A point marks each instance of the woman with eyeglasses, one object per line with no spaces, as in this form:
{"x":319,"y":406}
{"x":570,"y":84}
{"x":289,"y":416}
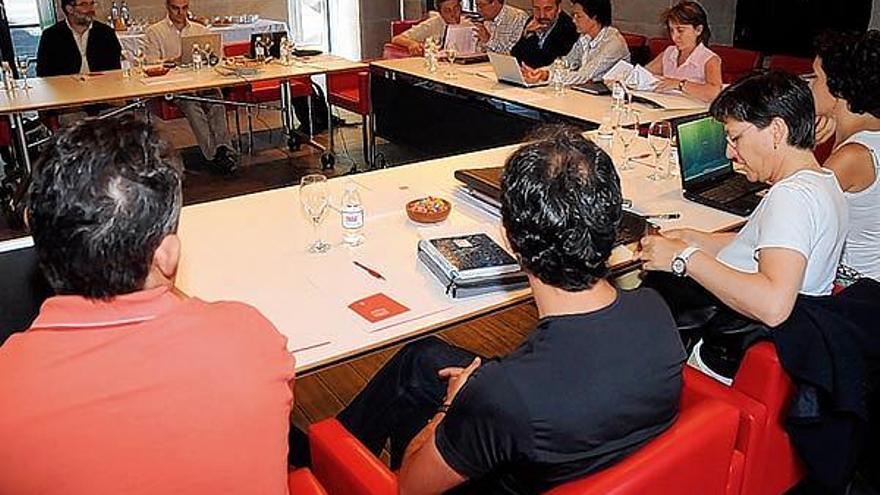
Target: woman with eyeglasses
{"x":791,"y":243}
{"x":847,"y":95}
{"x":688,"y":65}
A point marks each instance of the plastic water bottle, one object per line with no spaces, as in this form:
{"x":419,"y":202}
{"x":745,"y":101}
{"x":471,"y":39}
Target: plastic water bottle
{"x":284,"y":51}
{"x":196,"y":57}
{"x":211,"y":59}
{"x":259,"y":49}
{"x":114,"y":11}
{"x":352,"y":215}
{"x":618,"y":94}
{"x":125,"y":65}
{"x":125,"y":13}
{"x":8,"y":79}
{"x":557,"y":76}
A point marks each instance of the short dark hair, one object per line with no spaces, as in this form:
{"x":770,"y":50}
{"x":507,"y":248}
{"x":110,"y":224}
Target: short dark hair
{"x":690,"y":13}
{"x":597,"y":9}
{"x":102,"y":198}
{"x":561,"y":206}
{"x":762,"y":96}
{"x":852,"y":63}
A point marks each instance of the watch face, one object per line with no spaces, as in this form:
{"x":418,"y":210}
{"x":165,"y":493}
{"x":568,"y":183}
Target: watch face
{"x":678,"y":266}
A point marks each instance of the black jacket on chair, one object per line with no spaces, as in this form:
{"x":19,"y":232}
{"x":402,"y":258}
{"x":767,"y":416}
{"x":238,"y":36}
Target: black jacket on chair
{"x":558,"y":43}
{"x":58,"y":54}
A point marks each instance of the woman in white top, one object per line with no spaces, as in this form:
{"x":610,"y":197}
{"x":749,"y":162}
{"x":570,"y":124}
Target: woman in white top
{"x":598,"y":48}
{"x":847,"y":94}
{"x":688,"y":65}
{"x":792,"y":242}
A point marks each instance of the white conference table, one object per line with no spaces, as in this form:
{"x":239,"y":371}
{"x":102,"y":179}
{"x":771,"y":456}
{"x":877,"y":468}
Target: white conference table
{"x":77,"y":90}
{"x":481,"y":79}
{"x":253,"y":248}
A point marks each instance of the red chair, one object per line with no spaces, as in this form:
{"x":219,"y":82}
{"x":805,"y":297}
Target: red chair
{"x":303,"y":482}
{"x":736,"y":62}
{"x":764,"y":462}
{"x":657,"y":45}
{"x":795,"y":65}
{"x":390,"y":50}
{"x":638,"y":47}
{"x":351,"y":90}
{"x":692,"y":457}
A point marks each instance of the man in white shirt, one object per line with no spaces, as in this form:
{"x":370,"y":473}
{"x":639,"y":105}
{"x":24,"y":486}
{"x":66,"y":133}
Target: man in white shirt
{"x":434,"y":26}
{"x":208,"y":121}
{"x":502,"y":25}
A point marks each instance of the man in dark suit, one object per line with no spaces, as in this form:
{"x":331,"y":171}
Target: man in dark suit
{"x":549,"y":34}
{"x":79,"y":44}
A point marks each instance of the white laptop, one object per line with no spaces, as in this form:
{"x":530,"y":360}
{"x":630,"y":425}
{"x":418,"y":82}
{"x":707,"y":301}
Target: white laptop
{"x":187,"y":42}
{"x":507,"y":70}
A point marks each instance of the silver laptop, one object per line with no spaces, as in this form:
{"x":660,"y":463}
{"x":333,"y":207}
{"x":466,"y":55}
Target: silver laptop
{"x":187,"y":42}
{"x":507,"y":70}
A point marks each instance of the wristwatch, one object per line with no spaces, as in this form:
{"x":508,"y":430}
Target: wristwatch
{"x":679,"y":262}
{"x":681,"y":85}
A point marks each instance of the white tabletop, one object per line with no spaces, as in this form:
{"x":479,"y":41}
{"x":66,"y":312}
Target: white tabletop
{"x":480,"y":78}
{"x":253,"y":248}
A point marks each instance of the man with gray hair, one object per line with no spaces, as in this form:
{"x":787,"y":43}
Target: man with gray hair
{"x":123,"y":384}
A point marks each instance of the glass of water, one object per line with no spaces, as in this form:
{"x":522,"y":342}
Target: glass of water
{"x":451,"y":53}
{"x":22,"y":62}
{"x":628,"y":130}
{"x":315,"y":200}
{"x":659,"y":135}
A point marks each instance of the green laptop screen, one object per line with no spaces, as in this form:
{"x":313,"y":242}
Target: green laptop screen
{"x":702,"y":148}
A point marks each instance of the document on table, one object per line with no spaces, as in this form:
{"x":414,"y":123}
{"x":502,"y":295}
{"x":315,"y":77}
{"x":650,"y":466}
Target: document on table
{"x":159,"y":80}
{"x":670,"y":101}
{"x":461,"y":37}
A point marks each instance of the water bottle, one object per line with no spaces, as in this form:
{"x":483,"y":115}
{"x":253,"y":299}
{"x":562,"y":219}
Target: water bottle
{"x":284,"y":51}
{"x":125,"y":13}
{"x":618,"y":94}
{"x":114,"y":11}
{"x":211,"y":59}
{"x":196,"y":57}
{"x":259,"y":49}
{"x":8,"y":79}
{"x":431,"y":54}
{"x":352,"y":215}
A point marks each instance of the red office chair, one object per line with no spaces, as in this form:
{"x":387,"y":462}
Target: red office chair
{"x":638,"y":47}
{"x":390,"y":50}
{"x":765,"y":462}
{"x":303,"y":482}
{"x":657,"y":45}
{"x":736,"y":62}
{"x":351,"y":90}
{"x":692,"y":457}
{"x":795,"y":65}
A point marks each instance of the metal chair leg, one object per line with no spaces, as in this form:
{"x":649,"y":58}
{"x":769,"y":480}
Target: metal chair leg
{"x":250,"y":124}
{"x":238,"y":130}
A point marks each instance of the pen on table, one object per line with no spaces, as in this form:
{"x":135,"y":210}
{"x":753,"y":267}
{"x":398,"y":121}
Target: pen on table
{"x":664,"y":216}
{"x":373,"y":273}
{"x":641,"y":157}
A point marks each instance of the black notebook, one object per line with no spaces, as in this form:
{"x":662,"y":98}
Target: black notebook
{"x":471,"y":264}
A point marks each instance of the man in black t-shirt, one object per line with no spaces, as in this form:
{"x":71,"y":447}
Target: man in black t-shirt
{"x":599,"y":377}
{"x":548,"y":35}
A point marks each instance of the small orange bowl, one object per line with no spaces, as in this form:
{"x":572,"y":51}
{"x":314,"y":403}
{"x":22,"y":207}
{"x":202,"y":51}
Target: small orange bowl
{"x":156,"y":70}
{"x":428,"y":210}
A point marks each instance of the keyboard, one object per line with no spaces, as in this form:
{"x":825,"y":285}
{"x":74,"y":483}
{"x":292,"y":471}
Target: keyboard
{"x":732,"y":188}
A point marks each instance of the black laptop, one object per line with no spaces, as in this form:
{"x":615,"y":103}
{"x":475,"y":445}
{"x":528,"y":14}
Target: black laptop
{"x":707,"y":175}
{"x":487,"y":182}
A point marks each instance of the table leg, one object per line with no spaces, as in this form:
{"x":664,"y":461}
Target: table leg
{"x":24,"y":158}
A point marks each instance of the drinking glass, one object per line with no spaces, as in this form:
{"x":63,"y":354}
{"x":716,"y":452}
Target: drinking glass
{"x":139,"y":61}
{"x":557,"y":75}
{"x":628,"y":130}
{"x":315,"y":200}
{"x":658,"y":137}
{"x":22,"y":62}
{"x":451,"y":53}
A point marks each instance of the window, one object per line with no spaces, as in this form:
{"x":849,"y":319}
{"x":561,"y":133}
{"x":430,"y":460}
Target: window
{"x":308,"y":20}
{"x":26,"y":21}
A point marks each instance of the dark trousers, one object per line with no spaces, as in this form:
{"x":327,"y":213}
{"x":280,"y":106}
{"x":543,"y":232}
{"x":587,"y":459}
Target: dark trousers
{"x":403,"y":396}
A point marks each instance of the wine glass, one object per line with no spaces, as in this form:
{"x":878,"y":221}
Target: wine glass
{"x":451,"y":53}
{"x":315,"y":200}
{"x":658,"y":137}
{"x":22,"y":62}
{"x":628,"y":130}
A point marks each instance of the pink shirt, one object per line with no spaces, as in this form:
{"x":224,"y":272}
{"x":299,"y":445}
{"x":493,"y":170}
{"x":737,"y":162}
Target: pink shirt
{"x":693,"y":69}
{"x":148,"y":393}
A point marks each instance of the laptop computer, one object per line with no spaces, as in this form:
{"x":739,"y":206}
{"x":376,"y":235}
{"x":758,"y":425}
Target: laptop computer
{"x":486,"y":182}
{"x":707,"y":175}
{"x":187,"y":42}
{"x":507,"y":70}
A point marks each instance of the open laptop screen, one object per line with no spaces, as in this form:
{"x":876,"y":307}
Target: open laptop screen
{"x":701,"y":148}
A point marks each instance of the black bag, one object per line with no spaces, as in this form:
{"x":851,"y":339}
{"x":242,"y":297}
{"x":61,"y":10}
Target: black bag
{"x":318,"y":121}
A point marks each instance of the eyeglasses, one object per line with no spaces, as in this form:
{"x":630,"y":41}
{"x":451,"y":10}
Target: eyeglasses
{"x":733,"y":141}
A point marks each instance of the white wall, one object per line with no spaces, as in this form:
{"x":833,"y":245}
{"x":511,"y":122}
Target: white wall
{"x":875,"y":15}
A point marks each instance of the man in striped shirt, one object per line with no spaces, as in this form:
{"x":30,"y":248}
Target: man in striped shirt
{"x":502,"y":25}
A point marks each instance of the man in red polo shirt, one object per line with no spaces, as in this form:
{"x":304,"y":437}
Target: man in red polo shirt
{"x":122,"y":385}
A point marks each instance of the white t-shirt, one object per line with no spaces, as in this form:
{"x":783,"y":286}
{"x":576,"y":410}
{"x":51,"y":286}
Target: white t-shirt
{"x":805,"y":212}
{"x":862,"y":250}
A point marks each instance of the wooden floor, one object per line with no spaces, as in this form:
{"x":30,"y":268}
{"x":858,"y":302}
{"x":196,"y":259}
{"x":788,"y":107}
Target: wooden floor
{"x":323,"y":394}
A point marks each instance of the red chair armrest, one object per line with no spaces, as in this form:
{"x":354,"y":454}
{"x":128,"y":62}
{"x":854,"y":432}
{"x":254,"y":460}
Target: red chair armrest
{"x":391,"y":51}
{"x":344,"y":465}
{"x":302,"y":482}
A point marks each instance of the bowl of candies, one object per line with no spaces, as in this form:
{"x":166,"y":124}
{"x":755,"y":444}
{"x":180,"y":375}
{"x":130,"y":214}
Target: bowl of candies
{"x":428,"y":210}
{"x":156,"y":70}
